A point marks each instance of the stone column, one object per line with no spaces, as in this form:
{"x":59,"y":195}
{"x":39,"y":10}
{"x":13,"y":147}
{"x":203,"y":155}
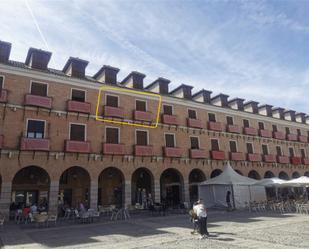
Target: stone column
{"x":186,"y":191}
{"x":53,"y":197}
{"x":157,"y":191}
{"x":6,"y":196}
{"x":94,"y":195}
{"x":127,"y":193}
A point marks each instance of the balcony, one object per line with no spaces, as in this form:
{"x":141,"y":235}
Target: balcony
{"x":39,"y":101}
{"x":172,"y":152}
{"x":142,"y":116}
{"x":115,"y":112}
{"x":194,"y":123}
{"x":283,"y":159}
{"x":254,"y":157}
{"x":306,"y":160}
{"x":214,"y":126}
{"x":279,"y":135}
{"x":237,"y":156}
{"x":295,"y":160}
{"x":113,"y":149}
{"x":77,"y":106}
{"x":1,"y":141}
{"x":77,"y":146}
{"x":292,"y":137}
{"x":3,"y":96}
{"x":34,"y":144}
{"x":217,"y":155}
{"x":233,"y":129}
{"x":269,"y":158}
{"x":197,"y":153}
{"x":170,"y":119}
{"x":143,"y":150}
{"x":303,"y":139}
{"x":266,"y":133}
{"x":250,"y":131}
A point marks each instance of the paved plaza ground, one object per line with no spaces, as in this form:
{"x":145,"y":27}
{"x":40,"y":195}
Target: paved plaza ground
{"x":227,"y":230}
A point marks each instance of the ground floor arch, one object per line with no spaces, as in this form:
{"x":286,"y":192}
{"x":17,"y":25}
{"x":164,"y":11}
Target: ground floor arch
{"x":111,"y":187}
{"x":239,"y":172}
{"x":254,"y":175}
{"x":295,"y":174}
{"x":283,"y":175}
{"x":74,"y":186}
{"x":306,"y":173}
{"x":215,"y":173}
{"x":171,"y":185}
{"x":269,"y":174}
{"x":196,"y":176}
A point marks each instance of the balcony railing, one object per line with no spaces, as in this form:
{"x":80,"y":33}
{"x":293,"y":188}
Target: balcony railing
{"x":237,"y":156}
{"x":283,"y":159}
{"x":3,"y":96}
{"x":143,"y":150}
{"x":306,"y":160}
{"x":279,"y":135}
{"x":115,"y":112}
{"x":269,"y":158}
{"x":34,"y":144}
{"x":195,"y":123}
{"x":217,"y":155}
{"x":113,"y":149}
{"x":39,"y":101}
{"x":142,"y":116}
{"x":215,"y":126}
{"x":77,"y":146}
{"x":197,"y":153}
{"x":172,"y":152}
{"x":292,"y":137}
{"x":170,"y":119}
{"x":266,"y":133}
{"x":250,"y":131}
{"x":254,"y":157}
{"x":1,"y":141}
{"x":295,"y":160}
{"x":77,"y":106}
{"x":303,"y":139}
{"x":233,"y":129}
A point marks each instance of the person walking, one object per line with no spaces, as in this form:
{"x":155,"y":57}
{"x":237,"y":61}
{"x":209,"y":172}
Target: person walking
{"x":228,"y":201}
{"x":201,"y":213}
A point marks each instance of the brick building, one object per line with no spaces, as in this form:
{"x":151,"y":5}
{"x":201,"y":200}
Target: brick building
{"x":53,"y":147}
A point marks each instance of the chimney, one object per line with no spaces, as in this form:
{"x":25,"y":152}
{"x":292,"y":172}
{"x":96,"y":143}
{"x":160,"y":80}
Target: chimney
{"x":202,"y":96}
{"x":183,"y":91}
{"x":220,"y":100}
{"x":251,"y":106}
{"x":37,"y":58}
{"x":265,"y":110}
{"x":134,"y":80}
{"x":5,"y":50}
{"x":278,"y":112}
{"x":160,"y":85}
{"x":300,"y":117}
{"x":75,"y":67}
{"x":237,"y":104}
{"x":289,"y":115}
{"x":107,"y":75}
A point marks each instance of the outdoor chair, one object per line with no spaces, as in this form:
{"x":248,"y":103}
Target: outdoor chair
{"x":52,"y":219}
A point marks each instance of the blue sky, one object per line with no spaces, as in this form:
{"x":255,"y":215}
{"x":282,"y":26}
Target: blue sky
{"x":257,"y":50}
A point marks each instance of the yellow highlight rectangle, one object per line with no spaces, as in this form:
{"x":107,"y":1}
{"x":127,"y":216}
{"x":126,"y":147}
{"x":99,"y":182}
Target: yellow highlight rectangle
{"x":129,"y":91}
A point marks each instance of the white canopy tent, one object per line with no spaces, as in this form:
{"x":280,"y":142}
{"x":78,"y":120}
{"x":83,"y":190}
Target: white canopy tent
{"x":271,"y":182}
{"x":302,"y":181}
{"x":214,"y":190}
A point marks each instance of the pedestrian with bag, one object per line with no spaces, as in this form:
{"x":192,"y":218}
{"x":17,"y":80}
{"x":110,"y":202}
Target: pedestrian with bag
{"x":201,"y":213}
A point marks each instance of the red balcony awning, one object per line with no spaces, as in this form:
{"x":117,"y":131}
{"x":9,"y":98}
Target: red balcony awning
{"x":254,"y":157}
{"x":77,"y":106}
{"x":266,"y":133}
{"x":295,"y":160}
{"x":39,"y":101}
{"x":113,"y":149}
{"x":279,"y":135}
{"x":115,"y":112}
{"x":237,"y":156}
{"x":142,"y":116}
{"x":283,"y":159}
{"x":292,"y":137}
{"x":195,"y":123}
{"x":217,"y":155}
{"x":306,"y":160}
{"x":197,"y":153}
{"x":3,"y":96}
{"x":35,"y":144}
{"x":77,"y":146}
{"x":233,"y":129}
{"x":250,"y":131}
{"x":270,"y":158}
{"x":170,"y":119}
{"x":143,"y":150}
{"x":215,"y":126}
{"x":303,"y":139}
{"x":172,"y":152}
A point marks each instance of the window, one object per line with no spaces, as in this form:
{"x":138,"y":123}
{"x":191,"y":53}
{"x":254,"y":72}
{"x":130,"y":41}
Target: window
{"x":275,"y":129}
{"x":194,"y":143}
{"x":291,"y":152}
{"x":77,"y":132}
{"x":261,"y":125}
{"x":298,"y":132}
{"x":1,"y":82}
{"x":229,"y":120}
{"x":112,"y":135}
{"x":249,"y":148}
{"x":141,"y":137}
{"x":169,"y":140}
{"x":192,"y":114}
{"x":111,"y":100}
{"x":39,"y":89}
{"x":264,"y":149}
{"x":246,"y":123}
{"x":211,"y":117}
{"x":279,"y":151}
{"x":303,"y":152}
{"x":168,"y":109}
{"x":233,"y":146}
{"x":140,"y":105}
{"x":287,"y":130}
{"x":214,"y":144}
{"x":35,"y":129}
{"x":78,"y":95}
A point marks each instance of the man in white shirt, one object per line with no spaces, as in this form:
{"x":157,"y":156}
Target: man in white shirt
{"x":201,"y":213}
